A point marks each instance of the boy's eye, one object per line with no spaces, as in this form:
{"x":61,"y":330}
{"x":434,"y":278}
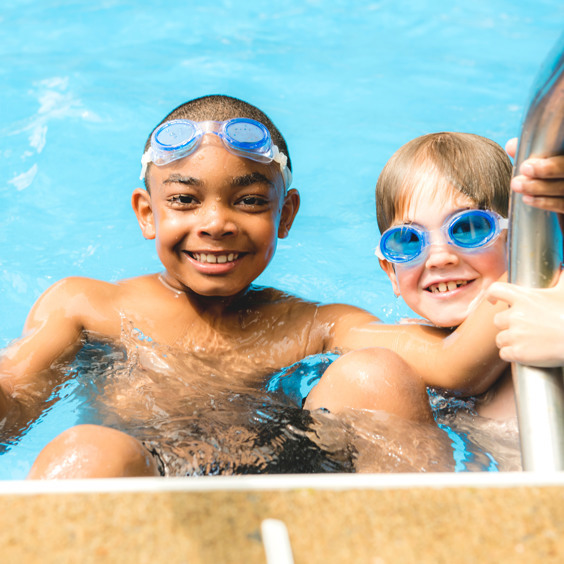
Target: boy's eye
{"x":254,"y":201}
{"x":183,"y":200}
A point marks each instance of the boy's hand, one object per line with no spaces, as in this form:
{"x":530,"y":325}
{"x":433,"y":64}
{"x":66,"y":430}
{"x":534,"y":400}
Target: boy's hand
{"x":541,"y":181}
{"x":532,"y":329}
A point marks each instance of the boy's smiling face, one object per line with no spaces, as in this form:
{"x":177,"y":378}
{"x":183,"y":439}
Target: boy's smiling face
{"x":216,"y":218}
{"x":448,"y":282}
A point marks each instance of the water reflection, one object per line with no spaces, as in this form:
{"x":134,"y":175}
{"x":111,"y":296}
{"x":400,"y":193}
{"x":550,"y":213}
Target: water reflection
{"x":198,"y":420}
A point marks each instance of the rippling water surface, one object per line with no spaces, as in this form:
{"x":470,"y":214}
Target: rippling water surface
{"x":84,"y":83}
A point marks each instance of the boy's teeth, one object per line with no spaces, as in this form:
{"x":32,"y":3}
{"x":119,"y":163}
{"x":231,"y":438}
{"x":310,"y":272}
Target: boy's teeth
{"x":446,"y":286}
{"x":206,"y":257}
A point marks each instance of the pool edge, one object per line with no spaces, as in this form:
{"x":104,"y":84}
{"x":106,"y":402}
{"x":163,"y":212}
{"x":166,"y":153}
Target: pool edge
{"x":285,"y":482}
{"x":377,"y":519}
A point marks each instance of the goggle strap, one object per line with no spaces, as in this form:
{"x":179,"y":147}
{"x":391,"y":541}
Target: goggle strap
{"x":145,"y":160}
{"x":278,"y":157}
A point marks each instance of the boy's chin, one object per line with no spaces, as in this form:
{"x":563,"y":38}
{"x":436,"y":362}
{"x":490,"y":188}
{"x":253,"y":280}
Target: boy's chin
{"x":455,"y":318}
{"x":220,"y":293}
{"x":448,"y":321}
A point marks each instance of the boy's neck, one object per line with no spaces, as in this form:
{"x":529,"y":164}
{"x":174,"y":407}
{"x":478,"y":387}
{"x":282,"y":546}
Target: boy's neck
{"x":212,"y":306}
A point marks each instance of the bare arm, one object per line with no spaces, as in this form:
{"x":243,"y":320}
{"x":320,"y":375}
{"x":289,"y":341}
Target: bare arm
{"x":465,"y":360}
{"x":52,"y":331}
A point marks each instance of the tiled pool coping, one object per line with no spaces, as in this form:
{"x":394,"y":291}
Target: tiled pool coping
{"x":377,"y":519}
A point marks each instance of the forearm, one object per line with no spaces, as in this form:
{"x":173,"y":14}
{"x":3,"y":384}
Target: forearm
{"x":465,"y":360}
{"x":23,"y":398}
{"x":27,"y":378}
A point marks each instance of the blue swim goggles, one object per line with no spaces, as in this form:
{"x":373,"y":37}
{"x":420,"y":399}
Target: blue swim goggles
{"x":468,"y":230}
{"x":176,"y":139}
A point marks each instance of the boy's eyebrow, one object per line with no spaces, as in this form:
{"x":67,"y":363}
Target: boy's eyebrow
{"x":181,"y":179}
{"x":237,"y":181}
{"x":249,"y":179}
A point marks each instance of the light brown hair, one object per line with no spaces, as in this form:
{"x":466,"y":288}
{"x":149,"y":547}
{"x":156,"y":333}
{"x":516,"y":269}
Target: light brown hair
{"x":471,"y":165}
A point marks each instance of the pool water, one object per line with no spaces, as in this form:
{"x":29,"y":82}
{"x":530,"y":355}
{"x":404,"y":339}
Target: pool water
{"x":84,"y":84}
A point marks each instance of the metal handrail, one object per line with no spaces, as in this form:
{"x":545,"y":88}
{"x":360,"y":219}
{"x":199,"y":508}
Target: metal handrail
{"x":535,"y":258}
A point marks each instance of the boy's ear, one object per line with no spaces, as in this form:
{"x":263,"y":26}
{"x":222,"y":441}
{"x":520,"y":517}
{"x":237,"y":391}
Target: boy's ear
{"x":141,"y":203}
{"x":290,"y":208}
{"x":388,"y":268}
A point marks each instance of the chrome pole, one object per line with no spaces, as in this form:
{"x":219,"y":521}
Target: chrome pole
{"x":535,"y":256}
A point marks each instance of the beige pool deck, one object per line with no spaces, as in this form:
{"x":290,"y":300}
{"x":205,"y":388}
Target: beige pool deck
{"x":374,"y":519}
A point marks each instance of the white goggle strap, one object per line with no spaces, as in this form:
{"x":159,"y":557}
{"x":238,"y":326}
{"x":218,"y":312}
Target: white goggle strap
{"x":145,"y":160}
{"x":278,"y":157}
{"x":282,"y":160}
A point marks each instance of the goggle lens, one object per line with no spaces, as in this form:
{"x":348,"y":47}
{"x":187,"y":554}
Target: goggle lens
{"x":401,"y":244}
{"x":248,"y":135}
{"x":472,"y":230}
{"x":175,"y":135}
{"x":468,"y":230}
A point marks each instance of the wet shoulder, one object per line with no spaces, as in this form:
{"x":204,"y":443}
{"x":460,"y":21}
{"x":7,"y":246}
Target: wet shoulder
{"x":85,"y":303}
{"x":272,"y":298}
{"x":285,"y":311}
{"x":94,"y":298}
{"x":80,"y":288}
{"x":334,"y":323}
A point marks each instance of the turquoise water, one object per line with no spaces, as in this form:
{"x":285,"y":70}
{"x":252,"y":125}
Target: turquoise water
{"x":347,"y":83}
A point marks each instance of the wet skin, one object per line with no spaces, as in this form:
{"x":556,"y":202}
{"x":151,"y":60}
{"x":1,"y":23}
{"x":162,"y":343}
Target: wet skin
{"x":448,"y":282}
{"x":216,"y":219}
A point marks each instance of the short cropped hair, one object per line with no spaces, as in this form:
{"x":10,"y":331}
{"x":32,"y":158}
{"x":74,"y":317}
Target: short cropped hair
{"x":472,"y":165}
{"x":218,"y":107}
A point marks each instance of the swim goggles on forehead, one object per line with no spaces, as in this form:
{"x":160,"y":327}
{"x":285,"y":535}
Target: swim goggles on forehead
{"x":176,"y":139}
{"x":468,"y":230}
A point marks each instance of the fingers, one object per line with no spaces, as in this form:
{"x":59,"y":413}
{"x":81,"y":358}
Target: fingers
{"x":550,"y":168}
{"x":511,"y":147}
{"x":514,"y":346}
{"x":537,"y":187}
{"x":503,"y":291}
{"x":545,"y":203}
{"x":508,"y":354}
{"x":541,"y":182}
{"x":503,"y":342}
{"x":501,"y":321}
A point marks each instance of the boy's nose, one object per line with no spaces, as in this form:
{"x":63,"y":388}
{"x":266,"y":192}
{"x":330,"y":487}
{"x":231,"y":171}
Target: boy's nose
{"x":216,"y":221}
{"x":441,"y":254}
